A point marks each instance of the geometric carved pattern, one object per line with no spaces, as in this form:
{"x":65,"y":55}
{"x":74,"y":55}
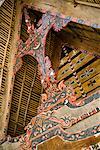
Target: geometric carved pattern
{"x":84,"y":76}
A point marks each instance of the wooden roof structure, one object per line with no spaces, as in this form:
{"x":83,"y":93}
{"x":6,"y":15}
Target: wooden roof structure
{"x":73,"y":32}
{"x":78,"y":66}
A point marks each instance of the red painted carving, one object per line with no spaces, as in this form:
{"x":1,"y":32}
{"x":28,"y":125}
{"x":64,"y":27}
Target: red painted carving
{"x":54,"y":93}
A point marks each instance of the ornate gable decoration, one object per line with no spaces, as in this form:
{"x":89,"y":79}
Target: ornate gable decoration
{"x":45,"y":125}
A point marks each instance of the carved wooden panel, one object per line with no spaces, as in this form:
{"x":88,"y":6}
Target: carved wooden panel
{"x":26,"y":96}
{"x":45,"y":125}
{"x":87,"y":71}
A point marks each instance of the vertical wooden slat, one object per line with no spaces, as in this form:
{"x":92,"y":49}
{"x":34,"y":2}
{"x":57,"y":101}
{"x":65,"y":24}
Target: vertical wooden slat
{"x":21,"y":92}
{"x":29,"y":96}
{"x":5,"y":51}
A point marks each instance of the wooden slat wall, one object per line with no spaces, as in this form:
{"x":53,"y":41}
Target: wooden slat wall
{"x":26,"y":91}
{"x":26,"y":96}
{"x":24,"y":35}
{"x":7,"y":16}
{"x":50,"y":43}
{"x":53,"y":49}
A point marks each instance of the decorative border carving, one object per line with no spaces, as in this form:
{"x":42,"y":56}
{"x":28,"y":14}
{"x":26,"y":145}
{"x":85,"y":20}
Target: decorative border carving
{"x":45,"y":126}
{"x":66,"y":136}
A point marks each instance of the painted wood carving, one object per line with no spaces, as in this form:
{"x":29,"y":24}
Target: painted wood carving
{"x":56,"y":95}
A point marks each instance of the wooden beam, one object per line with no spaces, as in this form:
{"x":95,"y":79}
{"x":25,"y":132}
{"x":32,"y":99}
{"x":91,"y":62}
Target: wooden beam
{"x":66,"y":8}
{"x":87,"y":3}
{"x":57,"y":143}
